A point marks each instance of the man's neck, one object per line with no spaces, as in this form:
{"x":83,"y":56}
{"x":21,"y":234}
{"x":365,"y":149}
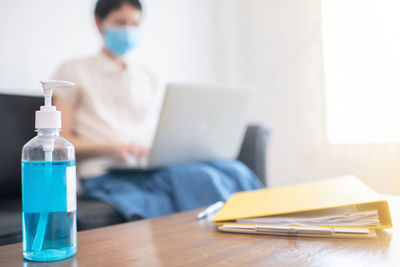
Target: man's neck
{"x":114,"y":58}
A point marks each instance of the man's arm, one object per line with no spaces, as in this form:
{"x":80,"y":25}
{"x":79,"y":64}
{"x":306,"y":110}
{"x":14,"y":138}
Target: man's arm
{"x":87,"y":148}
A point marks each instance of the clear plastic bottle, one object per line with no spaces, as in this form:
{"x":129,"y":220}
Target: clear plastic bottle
{"x":48,"y":191}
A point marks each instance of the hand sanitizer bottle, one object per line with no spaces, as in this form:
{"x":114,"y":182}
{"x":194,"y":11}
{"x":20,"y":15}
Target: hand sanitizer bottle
{"x":48,"y":187}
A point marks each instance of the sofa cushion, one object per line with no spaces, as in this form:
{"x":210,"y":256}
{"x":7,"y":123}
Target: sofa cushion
{"x":17,"y":117}
{"x":253,"y":150}
{"x":10,"y":221}
{"x":91,"y":214}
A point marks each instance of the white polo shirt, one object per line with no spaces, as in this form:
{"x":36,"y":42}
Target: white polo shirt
{"x":112,"y":105}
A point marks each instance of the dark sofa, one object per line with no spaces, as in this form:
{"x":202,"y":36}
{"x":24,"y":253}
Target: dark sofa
{"x":17,"y":127}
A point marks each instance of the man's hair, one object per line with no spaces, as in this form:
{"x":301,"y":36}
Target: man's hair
{"x":104,"y":7}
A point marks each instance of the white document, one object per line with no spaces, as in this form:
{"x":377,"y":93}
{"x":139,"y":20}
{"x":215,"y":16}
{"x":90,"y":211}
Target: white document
{"x":337,"y":217}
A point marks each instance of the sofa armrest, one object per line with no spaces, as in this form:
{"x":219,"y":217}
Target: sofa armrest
{"x":253,"y":152}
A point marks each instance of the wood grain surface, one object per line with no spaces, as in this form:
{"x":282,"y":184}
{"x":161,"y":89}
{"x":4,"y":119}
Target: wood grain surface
{"x":181,"y":240}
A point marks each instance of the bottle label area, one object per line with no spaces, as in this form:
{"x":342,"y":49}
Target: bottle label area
{"x":48,"y":186}
{"x":71,"y":188}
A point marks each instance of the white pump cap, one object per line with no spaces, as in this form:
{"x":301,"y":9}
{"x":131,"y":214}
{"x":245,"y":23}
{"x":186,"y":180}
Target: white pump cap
{"x":48,"y":116}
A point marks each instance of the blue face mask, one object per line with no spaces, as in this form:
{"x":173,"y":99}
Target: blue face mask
{"x":121,"y":40}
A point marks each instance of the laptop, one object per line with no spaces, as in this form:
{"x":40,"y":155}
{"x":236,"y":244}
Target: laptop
{"x":196,"y":123}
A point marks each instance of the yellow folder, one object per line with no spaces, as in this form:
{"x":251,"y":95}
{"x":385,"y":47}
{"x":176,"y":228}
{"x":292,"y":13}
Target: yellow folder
{"x":318,"y":195}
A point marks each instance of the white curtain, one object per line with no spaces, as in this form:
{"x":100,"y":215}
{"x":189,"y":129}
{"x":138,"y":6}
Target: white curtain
{"x":361,"y":53}
{"x":278,"y":49}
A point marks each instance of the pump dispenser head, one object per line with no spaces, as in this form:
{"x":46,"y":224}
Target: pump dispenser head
{"x":48,"y":117}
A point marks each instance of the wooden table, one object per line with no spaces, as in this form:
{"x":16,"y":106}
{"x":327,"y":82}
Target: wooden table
{"x":181,"y":240}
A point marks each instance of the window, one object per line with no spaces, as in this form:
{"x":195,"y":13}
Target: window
{"x":361,"y":54}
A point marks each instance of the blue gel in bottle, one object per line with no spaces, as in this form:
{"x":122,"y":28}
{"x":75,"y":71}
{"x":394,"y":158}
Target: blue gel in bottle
{"x":49,"y":229}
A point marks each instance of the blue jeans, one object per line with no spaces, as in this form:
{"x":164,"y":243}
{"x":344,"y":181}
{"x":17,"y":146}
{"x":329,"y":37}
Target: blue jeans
{"x":175,"y":188}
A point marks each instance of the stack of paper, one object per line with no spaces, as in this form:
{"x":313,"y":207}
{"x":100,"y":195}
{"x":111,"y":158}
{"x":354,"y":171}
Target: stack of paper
{"x":328,"y":217}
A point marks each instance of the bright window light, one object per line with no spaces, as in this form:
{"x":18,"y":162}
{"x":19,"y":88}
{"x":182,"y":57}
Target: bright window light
{"x":361,"y":54}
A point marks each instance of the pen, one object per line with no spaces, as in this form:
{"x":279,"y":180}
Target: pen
{"x":297,"y":231}
{"x":210,"y":209}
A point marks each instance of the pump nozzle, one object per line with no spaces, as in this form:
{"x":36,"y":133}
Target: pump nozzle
{"x":48,"y":87}
{"x":48,"y":116}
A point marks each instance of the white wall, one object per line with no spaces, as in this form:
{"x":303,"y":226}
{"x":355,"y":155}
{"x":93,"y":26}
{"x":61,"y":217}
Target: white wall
{"x":37,"y":36}
{"x":179,"y":39}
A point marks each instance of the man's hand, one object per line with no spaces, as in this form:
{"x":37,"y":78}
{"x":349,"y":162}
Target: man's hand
{"x":125,"y":150}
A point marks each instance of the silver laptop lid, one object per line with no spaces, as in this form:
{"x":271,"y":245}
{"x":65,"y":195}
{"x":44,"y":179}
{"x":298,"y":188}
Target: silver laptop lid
{"x":199,"y":123}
